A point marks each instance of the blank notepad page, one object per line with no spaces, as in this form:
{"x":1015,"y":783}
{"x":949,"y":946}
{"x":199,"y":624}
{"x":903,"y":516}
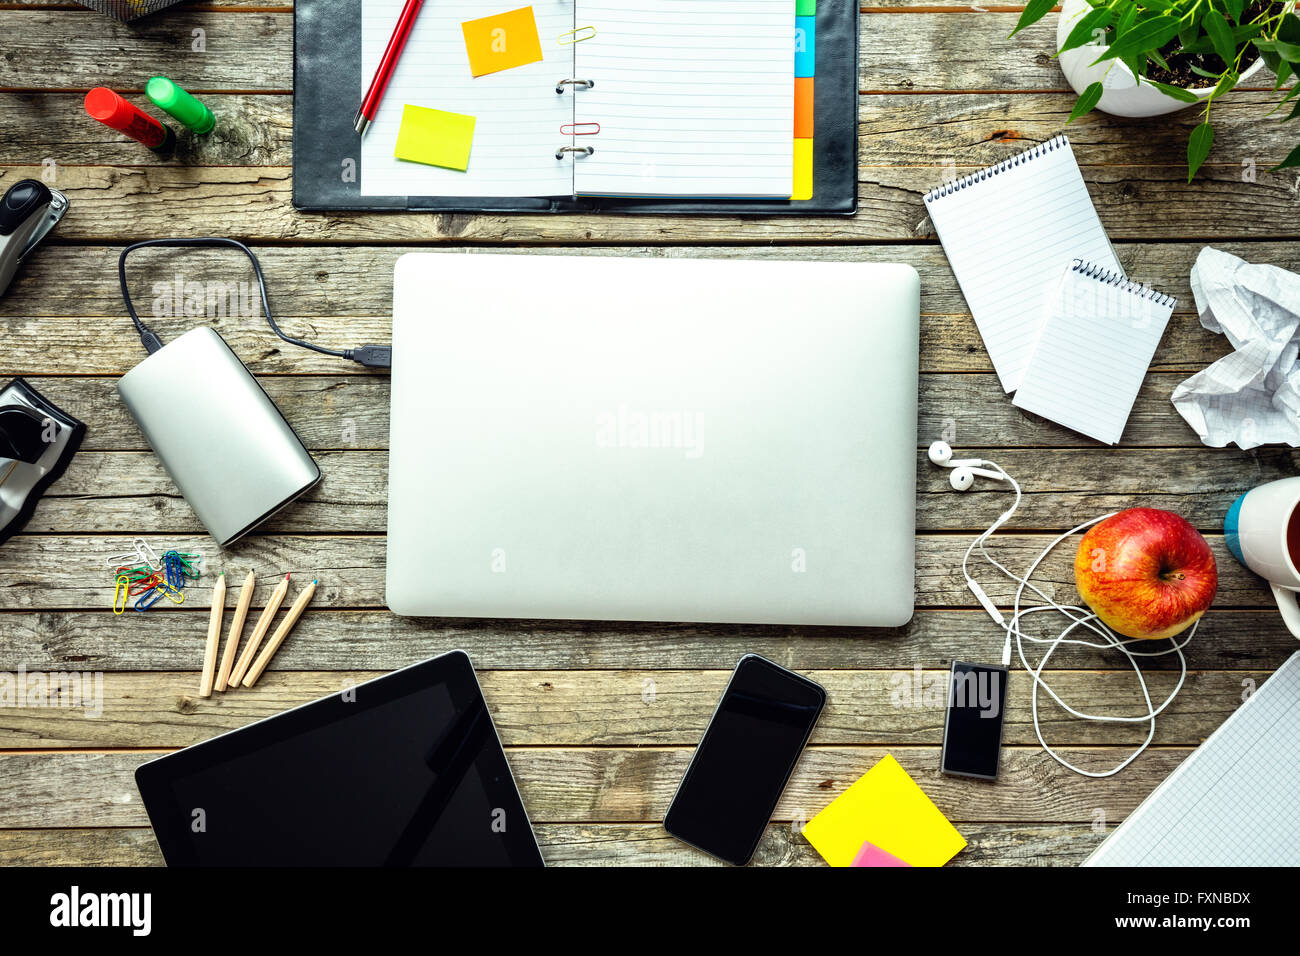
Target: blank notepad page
{"x":1009,"y":231}
{"x":693,"y":98}
{"x":1099,"y":334}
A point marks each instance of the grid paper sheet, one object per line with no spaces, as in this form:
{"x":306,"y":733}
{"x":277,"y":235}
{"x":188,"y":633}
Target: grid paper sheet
{"x":1235,"y":801}
{"x":1008,"y":231}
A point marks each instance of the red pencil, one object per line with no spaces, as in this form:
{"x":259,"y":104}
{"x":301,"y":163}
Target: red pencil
{"x":370,"y":105}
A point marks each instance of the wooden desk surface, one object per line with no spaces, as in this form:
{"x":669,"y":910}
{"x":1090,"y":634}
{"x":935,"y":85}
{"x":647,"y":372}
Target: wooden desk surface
{"x":599,"y":719}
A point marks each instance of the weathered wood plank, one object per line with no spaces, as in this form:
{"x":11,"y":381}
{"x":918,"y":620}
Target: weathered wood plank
{"x":590,"y":844}
{"x":616,"y":708}
{"x":254,"y":51}
{"x":342,"y":296}
{"x":347,"y":640}
{"x":614,"y":784}
{"x":351,"y":568}
{"x":1134,"y":202}
{"x":350,"y":412}
{"x":105,"y":492}
{"x":915,"y":129}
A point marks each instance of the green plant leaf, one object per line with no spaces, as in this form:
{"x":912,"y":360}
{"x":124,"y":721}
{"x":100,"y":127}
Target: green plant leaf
{"x":1177,"y":92}
{"x":1097,"y":18}
{"x":1087,"y":100}
{"x":1225,"y":85}
{"x":1221,"y":36}
{"x":1284,"y":72}
{"x":1234,"y":9}
{"x":1149,"y":34}
{"x":1198,"y":147}
{"x":1034,"y":11}
{"x":1291,"y":162}
{"x":1287,"y":51}
{"x":1295,"y":113}
{"x":1289,"y":28}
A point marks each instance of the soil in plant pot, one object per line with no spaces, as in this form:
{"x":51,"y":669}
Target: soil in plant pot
{"x":1180,"y":71}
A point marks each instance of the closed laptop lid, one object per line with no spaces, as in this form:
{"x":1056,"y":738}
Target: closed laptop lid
{"x":591,"y":437}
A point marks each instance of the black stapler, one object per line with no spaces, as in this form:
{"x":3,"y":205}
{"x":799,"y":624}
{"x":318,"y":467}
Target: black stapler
{"x":37,"y":439}
{"x":28,"y":211}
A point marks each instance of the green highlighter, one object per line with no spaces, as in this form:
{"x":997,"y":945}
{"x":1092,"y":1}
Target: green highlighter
{"x":167,"y":96}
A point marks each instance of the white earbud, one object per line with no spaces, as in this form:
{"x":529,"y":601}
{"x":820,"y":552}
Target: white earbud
{"x":963,"y":477}
{"x":941,"y":455}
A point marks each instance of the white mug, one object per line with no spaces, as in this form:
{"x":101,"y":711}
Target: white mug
{"x":1263,"y":533}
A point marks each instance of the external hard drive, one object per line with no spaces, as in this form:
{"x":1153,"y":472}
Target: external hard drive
{"x":220,"y":437}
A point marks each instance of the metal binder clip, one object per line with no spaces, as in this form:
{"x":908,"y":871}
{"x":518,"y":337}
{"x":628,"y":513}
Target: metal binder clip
{"x":29,"y":210}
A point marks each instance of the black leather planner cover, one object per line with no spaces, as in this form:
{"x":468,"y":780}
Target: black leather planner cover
{"x":327,"y":89}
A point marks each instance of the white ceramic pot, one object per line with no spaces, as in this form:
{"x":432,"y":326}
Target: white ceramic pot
{"x":1124,"y":94}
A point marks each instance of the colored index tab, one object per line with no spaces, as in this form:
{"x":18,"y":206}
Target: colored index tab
{"x":803,"y":169}
{"x":803,"y":107}
{"x":805,"y":8}
{"x":435,"y":137}
{"x":502,"y":42}
{"x":886,"y":808}
{"x":805,"y":46}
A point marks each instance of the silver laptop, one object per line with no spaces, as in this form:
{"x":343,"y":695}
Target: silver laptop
{"x":589,"y":437}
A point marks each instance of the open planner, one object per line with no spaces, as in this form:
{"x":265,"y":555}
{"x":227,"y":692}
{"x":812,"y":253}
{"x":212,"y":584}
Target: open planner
{"x":676,"y":98}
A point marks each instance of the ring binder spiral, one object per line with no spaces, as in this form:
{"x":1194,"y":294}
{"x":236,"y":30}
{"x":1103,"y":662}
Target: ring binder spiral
{"x":1122,"y":282}
{"x":580,"y":150}
{"x":988,"y":172}
{"x":576,"y":84}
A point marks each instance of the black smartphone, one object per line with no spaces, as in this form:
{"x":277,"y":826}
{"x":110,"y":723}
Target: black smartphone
{"x":972,"y":729}
{"x":745,"y":759}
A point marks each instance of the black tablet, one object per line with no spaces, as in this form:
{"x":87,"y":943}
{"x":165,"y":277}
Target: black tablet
{"x":404,"y":770}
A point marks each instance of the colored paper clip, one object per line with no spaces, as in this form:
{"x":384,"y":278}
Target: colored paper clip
{"x":172,"y":594}
{"x":576,"y":35}
{"x":145,"y":585}
{"x":576,"y":129}
{"x":120,"y":596}
{"x":148,"y":600}
{"x":147,"y":554}
{"x":118,"y":560}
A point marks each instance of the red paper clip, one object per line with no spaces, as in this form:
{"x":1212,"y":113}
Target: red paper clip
{"x":571,"y":129}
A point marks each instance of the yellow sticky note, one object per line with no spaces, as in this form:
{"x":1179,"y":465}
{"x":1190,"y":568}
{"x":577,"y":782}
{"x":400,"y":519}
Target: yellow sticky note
{"x":803,"y":169}
{"x":435,"y":137}
{"x":884,"y":807}
{"x":502,"y":42}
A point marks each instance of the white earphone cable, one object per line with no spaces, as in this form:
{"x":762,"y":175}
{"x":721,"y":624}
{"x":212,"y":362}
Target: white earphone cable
{"x":1079,"y":617}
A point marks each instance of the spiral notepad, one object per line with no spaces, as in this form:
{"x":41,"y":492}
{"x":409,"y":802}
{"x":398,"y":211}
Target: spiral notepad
{"x":1008,"y":231}
{"x":1099,"y":333}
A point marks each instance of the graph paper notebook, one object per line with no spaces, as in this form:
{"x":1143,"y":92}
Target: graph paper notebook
{"x":1099,"y":334}
{"x":677,"y":98}
{"x":1234,"y":801}
{"x":1008,"y":231}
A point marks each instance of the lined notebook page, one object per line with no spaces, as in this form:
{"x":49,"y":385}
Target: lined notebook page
{"x":1234,"y":801}
{"x":1008,"y":231}
{"x":1100,"y":332}
{"x":693,"y":98}
{"x":518,"y":115}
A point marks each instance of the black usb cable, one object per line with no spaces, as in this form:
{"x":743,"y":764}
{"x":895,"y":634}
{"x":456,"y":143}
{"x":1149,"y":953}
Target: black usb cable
{"x":371,"y":356}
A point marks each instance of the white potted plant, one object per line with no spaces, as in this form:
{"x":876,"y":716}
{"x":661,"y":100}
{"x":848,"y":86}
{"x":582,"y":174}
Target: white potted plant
{"x":1150,"y":57}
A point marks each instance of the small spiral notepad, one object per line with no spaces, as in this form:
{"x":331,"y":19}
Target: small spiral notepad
{"x":1099,"y":333}
{"x":1008,"y":231}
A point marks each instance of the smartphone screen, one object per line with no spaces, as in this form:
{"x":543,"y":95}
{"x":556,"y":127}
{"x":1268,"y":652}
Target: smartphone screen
{"x":972,"y":731}
{"x":744,"y":760}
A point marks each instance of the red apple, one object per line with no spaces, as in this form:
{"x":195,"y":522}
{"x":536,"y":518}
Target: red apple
{"x":1146,"y":573}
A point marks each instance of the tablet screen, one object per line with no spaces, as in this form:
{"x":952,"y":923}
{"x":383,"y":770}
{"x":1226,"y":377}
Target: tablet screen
{"x":406,"y":770}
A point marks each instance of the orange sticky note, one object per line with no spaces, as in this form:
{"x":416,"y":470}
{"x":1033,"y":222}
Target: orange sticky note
{"x":502,"y":42}
{"x":803,"y":107}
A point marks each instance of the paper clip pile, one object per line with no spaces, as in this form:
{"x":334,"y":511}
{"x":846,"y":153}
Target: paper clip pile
{"x":143,"y":575}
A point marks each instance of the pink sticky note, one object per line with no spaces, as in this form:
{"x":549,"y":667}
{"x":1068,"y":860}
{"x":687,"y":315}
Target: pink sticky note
{"x":872,"y":855}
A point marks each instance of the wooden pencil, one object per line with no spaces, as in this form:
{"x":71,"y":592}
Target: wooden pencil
{"x":214,"y":636}
{"x":259,"y":631}
{"x":236,"y":631}
{"x":281,"y":633}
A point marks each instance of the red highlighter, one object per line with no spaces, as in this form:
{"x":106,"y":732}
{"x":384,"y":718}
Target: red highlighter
{"x":111,"y":110}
